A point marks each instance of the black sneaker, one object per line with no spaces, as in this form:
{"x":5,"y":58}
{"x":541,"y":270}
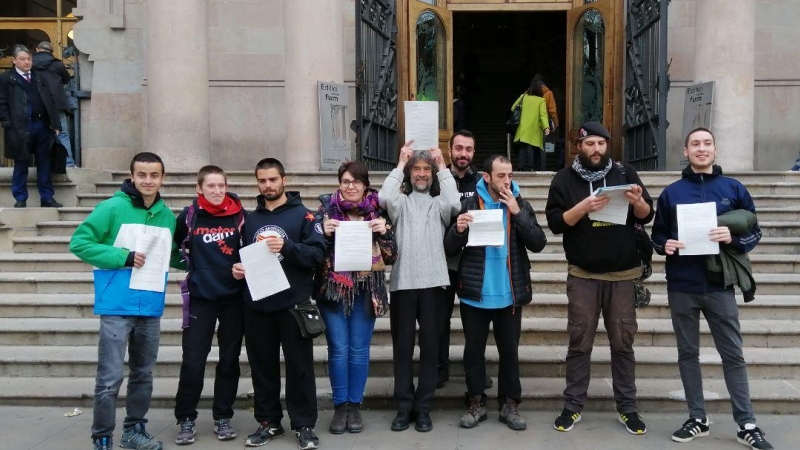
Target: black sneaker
{"x":692,"y":428}
{"x":752,"y":436}
{"x":306,"y":439}
{"x":266,"y":432}
{"x":566,"y":420}
{"x":633,"y":423}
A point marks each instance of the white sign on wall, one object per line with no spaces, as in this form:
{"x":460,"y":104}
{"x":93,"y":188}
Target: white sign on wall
{"x":334,"y":136}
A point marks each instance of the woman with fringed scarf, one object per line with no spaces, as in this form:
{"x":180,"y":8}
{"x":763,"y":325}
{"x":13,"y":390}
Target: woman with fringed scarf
{"x":350,"y":301}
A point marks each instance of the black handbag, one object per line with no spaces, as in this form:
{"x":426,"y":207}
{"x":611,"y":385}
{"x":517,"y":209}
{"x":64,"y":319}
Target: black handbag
{"x":308,"y":319}
{"x":513,"y":120}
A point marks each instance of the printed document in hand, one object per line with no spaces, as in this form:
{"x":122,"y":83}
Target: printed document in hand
{"x":616,"y":211}
{"x":152,"y":276}
{"x":422,"y":124}
{"x":262,"y":271}
{"x":486,"y":228}
{"x":352,"y":247}
{"x":695,"y":221}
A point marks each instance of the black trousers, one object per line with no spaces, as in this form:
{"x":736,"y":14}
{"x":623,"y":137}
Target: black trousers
{"x":407,"y":308}
{"x":449,"y":295}
{"x":196,"y":343}
{"x":265,"y":334}
{"x":507,"y":324}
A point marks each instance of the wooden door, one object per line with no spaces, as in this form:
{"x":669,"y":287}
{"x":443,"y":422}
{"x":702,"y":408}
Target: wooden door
{"x":428,"y":41}
{"x":594,"y":71}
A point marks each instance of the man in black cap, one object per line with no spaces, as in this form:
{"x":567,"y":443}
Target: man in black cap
{"x":603,"y":261}
{"x":55,"y":76}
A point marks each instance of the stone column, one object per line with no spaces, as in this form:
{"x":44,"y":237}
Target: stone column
{"x":177,"y":83}
{"x":314,"y":52}
{"x":725,"y":53}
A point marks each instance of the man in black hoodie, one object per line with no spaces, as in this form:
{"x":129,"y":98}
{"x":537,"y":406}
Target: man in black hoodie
{"x":55,"y":75}
{"x":603,"y":261}
{"x":295,"y":235}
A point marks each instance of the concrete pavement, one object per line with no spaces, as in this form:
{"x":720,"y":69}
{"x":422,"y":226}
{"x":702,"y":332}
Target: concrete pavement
{"x":43,"y":428}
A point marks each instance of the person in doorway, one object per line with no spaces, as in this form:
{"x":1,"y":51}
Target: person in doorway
{"x":130,"y":318}
{"x":493,"y":285}
{"x":692,"y":288}
{"x":294,"y":234}
{"x":209,"y":234}
{"x":29,"y":117}
{"x":420,"y":196}
{"x":550,"y":101}
{"x":603,"y":262}
{"x":349,"y":301}
{"x":534,"y":124}
{"x":56,"y":76}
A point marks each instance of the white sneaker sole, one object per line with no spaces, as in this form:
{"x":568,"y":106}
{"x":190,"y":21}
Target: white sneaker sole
{"x":564,"y":430}
{"x":682,"y":440}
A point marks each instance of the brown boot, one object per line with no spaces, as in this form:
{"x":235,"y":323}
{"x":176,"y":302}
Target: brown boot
{"x":355,"y":424}
{"x":339,"y":421}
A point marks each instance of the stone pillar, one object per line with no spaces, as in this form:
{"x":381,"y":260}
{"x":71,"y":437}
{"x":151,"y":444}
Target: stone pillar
{"x":725,"y":53}
{"x":177,"y":83}
{"x":314,"y":52}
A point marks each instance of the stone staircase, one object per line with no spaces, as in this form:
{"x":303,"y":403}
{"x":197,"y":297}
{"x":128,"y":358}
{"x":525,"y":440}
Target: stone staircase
{"x":48,"y":333}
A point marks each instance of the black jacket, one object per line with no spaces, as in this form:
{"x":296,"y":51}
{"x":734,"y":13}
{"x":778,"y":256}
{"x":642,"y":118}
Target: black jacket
{"x":302,"y":254}
{"x":525,"y":234}
{"x":594,"y":246}
{"x":14,"y":112}
{"x":55,"y":76}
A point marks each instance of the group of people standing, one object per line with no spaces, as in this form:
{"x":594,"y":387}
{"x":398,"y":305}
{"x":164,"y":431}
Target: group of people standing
{"x":420,"y":222}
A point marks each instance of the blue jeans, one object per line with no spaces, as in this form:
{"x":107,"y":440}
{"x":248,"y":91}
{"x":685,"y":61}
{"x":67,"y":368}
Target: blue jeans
{"x":63,"y":138}
{"x":139,"y":336}
{"x":41,"y":141}
{"x":348,"y":347}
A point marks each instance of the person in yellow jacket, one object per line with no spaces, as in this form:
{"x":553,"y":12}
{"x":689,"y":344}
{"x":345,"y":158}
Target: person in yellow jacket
{"x":534,"y":124}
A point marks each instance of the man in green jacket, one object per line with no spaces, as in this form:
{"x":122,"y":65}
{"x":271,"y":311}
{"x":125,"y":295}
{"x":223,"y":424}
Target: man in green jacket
{"x":128,"y":240}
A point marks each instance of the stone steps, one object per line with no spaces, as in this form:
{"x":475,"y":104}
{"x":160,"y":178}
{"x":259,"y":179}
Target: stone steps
{"x":74,"y":306}
{"x":662,"y":395}
{"x":535,"y":361}
{"x":535,"y":331}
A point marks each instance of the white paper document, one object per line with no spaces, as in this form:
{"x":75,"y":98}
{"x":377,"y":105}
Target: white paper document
{"x":486,"y":228}
{"x":352,"y":247}
{"x":422,"y":124}
{"x":152,"y":275}
{"x":616,"y":211}
{"x":695,"y":221}
{"x":262,"y":271}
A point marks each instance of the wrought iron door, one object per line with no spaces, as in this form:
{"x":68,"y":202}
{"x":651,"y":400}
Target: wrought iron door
{"x":646,"y":84}
{"x":376,"y":83}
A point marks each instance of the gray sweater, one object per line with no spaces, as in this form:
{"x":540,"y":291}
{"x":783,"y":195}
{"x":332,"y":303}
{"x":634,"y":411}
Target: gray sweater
{"x":419,"y":226}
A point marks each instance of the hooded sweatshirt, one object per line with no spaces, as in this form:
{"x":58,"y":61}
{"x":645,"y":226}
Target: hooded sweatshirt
{"x":496,"y":290}
{"x":106,"y":240}
{"x":213,"y":248}
{"x":303,"y":249}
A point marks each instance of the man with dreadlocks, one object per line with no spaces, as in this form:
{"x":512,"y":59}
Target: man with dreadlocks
{"x":421,"y":197}
{"x":603,"y":262}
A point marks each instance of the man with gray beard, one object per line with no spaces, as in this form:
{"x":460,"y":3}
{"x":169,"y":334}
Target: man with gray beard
{"x":603,"y":262}
{"x":420,"y":196}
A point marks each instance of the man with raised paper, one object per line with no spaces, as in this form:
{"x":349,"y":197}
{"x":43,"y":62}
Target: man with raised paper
{"x":603,"y":262}
{"x":420,"y":196}
{"x":692,"y":287}
{"x":494,"y":282}
{"x":290,"y":232}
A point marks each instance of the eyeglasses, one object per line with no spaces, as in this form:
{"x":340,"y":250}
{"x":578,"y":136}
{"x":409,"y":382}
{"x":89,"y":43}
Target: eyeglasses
{"x":355,"y":183}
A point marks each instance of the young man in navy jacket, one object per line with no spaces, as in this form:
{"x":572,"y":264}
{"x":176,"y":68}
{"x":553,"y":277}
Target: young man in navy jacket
{"x":295,"y":235}
{"x":690,"y":290}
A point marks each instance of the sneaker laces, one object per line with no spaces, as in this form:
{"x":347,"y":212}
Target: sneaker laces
{"x":223,"y":424}
{"x":187,"y":426}
{"x":139,"y":435}
{"x":306,"y":434}
{"x":756,"y":433}
{"x":511,"y":408}
{"x":474,"y":405}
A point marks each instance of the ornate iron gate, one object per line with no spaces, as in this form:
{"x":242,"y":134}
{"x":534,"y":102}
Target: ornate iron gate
{"x":376,"y":83}
{"x":646,"y":84}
